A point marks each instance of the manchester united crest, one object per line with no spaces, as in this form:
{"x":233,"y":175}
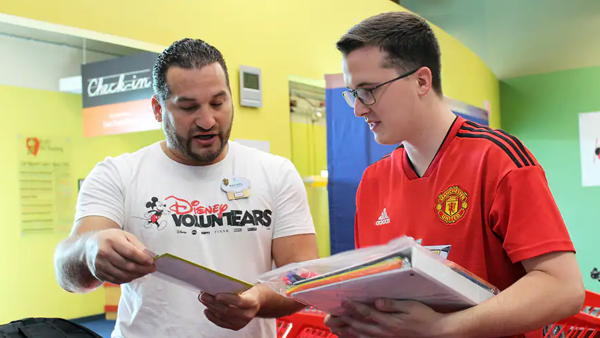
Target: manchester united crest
{"x":452,"y":205}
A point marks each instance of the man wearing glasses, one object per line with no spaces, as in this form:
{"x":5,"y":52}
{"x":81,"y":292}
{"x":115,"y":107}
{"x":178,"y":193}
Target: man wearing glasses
{"x":475,"y":191}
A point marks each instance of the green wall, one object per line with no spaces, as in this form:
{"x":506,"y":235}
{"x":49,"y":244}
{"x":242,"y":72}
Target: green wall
{"x":542,"y":110}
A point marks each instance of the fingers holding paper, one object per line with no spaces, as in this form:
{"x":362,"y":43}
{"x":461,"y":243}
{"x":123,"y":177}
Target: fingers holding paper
{"x":231,"y":311}
{"x":117,"y":257}
{"x":338,"y":326}
{"x":388,"y":318}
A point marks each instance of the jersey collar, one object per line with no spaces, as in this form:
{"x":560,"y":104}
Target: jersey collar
{"x":407,"y":165}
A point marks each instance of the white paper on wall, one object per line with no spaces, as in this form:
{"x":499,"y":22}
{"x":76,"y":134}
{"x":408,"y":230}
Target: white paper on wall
{"x":589,"y":144}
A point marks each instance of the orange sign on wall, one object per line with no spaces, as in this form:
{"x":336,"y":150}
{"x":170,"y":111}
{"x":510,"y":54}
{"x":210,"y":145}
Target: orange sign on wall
{"x":119,"y":118}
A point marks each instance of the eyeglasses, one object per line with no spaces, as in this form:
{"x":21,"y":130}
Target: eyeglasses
{"x":365,"y":95}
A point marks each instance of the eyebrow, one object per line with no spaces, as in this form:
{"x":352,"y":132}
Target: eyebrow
{"x":366,"y":84}
{"x":184,"y":99}
{"x":221,"y":93}
{"x":189,"y":99}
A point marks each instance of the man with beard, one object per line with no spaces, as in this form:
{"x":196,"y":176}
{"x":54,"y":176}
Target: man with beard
{"x":232,"y":208}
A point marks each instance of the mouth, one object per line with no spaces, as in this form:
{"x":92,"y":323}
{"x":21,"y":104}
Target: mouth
{"x":205,"y":139}
{"x":372,"y":125}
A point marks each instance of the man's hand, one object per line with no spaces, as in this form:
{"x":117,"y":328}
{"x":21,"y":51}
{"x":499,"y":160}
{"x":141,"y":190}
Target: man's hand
{"x":389,"y":318}
{"x":117,"y":257}
{"x":232,"y":312}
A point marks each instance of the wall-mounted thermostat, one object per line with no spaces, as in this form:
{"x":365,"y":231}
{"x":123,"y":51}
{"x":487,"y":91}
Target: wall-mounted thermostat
{"x":250,"y":87}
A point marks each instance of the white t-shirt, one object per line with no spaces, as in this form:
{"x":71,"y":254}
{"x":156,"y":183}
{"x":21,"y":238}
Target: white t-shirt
{"x":180,"y":209}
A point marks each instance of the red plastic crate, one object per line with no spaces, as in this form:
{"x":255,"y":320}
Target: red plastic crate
{"x":307,"y":323}
{"x":584,"y":324}
{"x":310,"y":323}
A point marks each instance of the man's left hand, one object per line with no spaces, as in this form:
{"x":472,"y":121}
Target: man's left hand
{"x":230,"y":311}
{"x":389,"y":318}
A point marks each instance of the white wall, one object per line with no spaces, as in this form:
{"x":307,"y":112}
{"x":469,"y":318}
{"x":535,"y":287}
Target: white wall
{"x":39,"y":65}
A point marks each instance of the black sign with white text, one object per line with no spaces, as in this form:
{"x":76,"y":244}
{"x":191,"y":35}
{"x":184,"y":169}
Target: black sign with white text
{"x":125,"y":79}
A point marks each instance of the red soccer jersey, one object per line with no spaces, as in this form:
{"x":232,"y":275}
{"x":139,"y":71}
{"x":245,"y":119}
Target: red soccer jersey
{"x":484,"y":203}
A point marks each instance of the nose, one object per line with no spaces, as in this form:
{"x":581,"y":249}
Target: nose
{"x":205,"y":118}
{"x":360,"y":110}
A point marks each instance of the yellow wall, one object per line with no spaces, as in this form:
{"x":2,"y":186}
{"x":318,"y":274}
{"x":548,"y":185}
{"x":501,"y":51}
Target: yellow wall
{"x":309,"y":148}
{"x":27,"y":283}
{"x":280,"y":37}
{"x":309,"y":154}
{"x":319,"y":208}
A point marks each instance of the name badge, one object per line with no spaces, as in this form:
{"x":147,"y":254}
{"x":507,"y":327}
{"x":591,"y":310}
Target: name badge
{"x":236,"y":187}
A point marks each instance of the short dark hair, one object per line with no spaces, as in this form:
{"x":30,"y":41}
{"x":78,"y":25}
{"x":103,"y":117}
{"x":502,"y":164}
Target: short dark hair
{"x":406,"y":38}
{"x":187,"y":54}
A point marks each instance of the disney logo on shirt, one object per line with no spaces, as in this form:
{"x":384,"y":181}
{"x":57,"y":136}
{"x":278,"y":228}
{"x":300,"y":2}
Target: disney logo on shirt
{"x":191,"y":214}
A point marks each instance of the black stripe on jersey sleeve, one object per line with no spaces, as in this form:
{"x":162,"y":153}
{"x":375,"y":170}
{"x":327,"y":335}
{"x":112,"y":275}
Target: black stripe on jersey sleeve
{"x":401,"y":146}
{"x":521,"y":152}
{"x":388,"y":154}
{"x":496,"y":141}
{"x":520,"y":144}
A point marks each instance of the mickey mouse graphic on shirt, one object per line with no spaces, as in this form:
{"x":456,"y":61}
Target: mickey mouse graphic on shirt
{"x":153,"y":217}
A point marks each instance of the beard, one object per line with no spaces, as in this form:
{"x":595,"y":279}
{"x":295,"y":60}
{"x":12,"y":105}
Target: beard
{"x":200,"y":154}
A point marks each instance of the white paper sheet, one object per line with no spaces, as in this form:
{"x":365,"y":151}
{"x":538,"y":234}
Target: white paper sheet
{"x":589,"y":143}
{"x":196,"y":277}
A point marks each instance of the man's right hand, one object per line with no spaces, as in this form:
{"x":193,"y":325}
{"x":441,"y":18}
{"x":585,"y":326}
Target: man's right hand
{"x":117,"y":257}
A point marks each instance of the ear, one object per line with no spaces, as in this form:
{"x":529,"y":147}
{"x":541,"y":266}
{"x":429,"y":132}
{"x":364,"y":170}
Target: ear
{"x":156,"y":108}
{"x":424,"y":80}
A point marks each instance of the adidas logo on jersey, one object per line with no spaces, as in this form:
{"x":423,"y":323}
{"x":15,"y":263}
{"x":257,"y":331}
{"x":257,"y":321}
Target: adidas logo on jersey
{"x":383,"y":219}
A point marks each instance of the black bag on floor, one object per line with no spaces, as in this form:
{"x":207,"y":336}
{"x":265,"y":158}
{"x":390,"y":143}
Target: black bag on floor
{"x":45,"y":328}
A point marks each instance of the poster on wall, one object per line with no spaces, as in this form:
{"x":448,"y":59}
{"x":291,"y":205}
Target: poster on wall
{"x":45,"y":186}
{"x":589,"y":147}
{"x":116,"y":95}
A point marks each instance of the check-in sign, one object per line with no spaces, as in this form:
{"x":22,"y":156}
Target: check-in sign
{"x":116,"y":95}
